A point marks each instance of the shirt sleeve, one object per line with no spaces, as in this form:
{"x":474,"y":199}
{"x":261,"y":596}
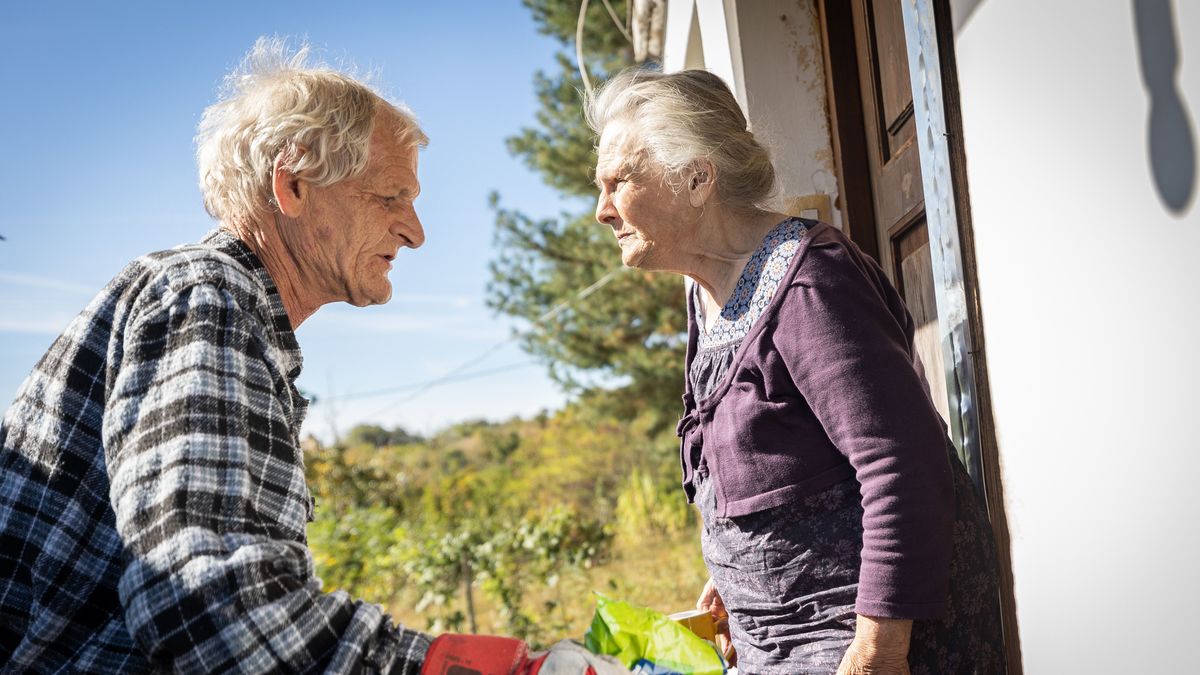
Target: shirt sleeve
{"x":211,"y":505}
{"x":849,"y":355}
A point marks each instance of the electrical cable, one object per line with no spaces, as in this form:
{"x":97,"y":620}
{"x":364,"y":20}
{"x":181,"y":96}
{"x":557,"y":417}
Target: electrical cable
{"x":617,"y":21}
{"x":441,"y":379}
{"x":457,"y":373}
{"x":587,"y":82}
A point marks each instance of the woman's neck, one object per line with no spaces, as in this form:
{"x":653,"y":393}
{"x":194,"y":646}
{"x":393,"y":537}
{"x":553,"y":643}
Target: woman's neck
{"x":724,"y":244}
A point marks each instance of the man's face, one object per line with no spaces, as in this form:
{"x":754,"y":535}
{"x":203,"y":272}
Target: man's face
{"x":353,"y":229}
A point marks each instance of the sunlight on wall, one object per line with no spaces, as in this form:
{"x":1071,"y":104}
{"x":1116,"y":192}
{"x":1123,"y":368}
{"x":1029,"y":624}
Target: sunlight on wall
{"x":1090,"y":315}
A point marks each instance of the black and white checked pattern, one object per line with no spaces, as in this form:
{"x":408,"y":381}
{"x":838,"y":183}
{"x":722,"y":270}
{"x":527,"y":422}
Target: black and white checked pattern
{"x":152,"y":495}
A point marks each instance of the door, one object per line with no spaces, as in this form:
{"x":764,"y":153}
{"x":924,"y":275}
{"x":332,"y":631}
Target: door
{"x":876,"y":134}
{"x":875,"y":143}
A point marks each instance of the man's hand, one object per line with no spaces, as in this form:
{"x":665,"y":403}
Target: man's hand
{"x":710,"y":601}
{"x":880,"y":647}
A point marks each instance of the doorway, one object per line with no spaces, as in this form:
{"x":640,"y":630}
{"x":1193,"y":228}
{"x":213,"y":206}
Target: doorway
{"x":875,"y":138}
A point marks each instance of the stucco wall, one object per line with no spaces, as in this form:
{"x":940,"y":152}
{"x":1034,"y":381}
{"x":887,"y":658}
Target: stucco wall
{"x":770,"y":54}
{"x":1091,"y":305}
{"x":786,"y":97}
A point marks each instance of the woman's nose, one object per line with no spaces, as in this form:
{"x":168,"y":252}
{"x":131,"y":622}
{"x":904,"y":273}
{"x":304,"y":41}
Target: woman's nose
{"x":606,"y":213}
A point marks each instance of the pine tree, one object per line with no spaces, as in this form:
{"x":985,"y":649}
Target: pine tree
{"x":628,"y":336}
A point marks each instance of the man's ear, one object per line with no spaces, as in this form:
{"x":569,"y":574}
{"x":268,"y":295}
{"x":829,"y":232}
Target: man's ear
{"x":701,"y":182}
{"x":289,"y":190}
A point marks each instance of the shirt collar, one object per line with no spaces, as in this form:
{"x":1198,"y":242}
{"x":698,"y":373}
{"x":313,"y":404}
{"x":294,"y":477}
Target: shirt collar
{"x":235,"y":248}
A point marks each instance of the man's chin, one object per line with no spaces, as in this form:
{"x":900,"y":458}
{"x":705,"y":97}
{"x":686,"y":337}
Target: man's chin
{"x":372,"y":296}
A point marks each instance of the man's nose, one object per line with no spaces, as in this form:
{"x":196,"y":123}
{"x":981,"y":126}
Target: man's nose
{"x":412,"y":230}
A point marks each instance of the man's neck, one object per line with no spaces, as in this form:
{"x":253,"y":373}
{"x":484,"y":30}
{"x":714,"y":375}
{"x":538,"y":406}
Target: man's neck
{"x":263,"y":238}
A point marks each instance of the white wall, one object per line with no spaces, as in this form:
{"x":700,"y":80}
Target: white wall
{"x":770,"y":55}
{"x":1090,"y":293}
{"x":784,"y":75}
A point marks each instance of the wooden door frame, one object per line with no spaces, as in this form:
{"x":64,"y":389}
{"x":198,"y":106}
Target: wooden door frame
{"x":846,"y":123}
{"x":989,"y":450}
{"x":966,"y":363}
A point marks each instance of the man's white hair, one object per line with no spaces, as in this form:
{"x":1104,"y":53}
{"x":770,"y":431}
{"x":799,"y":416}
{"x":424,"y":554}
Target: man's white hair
{"x":276,"y":104}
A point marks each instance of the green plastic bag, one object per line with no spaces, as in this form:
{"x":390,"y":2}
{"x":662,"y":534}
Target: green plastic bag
{"x":649,"y":642}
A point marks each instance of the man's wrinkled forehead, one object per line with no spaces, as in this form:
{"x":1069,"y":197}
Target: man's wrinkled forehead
{"x":391,"y":160}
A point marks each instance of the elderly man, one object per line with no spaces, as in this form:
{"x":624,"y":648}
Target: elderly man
{"x":152,"y":497}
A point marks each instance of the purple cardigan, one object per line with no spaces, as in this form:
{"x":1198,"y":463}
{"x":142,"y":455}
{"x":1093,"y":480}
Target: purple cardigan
{"x":822,"y":389}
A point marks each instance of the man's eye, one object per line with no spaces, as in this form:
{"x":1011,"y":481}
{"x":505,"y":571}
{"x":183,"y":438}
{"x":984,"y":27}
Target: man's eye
{"x":387,"y":201}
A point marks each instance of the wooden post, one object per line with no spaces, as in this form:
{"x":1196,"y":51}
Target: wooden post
{"x":468,"y":577}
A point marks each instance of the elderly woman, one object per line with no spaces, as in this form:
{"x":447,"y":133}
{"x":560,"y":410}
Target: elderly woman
{"x":841,"y":532}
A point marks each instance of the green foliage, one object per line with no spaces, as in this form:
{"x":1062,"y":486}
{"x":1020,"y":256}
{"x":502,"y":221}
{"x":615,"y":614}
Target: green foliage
{"x":345,"y":485}
{"x":499,"y":511}
{"x":437,"y":565}
{"x":649,"y":509}
{"x":358,"y":549}
{"x":631,"y":332}
{"x":560,"y":146}
{"x":504,"y":559}
{"x":559,"y":18}
{"x":377,"y":436}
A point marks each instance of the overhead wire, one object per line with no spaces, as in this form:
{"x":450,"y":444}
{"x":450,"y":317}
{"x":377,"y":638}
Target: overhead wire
{"x":545,"y":316}
{"x":617,"y":20}
{"x":457,"y":373}
{"x":441,"y":379}
{"x":587,"y":82}
{"x":579,"y":25}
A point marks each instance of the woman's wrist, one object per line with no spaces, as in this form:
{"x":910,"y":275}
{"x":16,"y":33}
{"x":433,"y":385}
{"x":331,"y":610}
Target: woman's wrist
{"x":883,"y":636}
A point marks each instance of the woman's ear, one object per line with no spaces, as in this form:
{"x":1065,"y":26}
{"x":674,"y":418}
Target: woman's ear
{"x":701,"y":182}
{"x":290,"y":191}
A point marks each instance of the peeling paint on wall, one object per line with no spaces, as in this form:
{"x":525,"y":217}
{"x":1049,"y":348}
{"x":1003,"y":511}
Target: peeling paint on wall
{"x":787,"y":105}
{"x":777,"y":44}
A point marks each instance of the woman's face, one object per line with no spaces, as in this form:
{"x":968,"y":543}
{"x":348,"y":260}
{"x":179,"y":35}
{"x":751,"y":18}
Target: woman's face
{"x":651,"y":221}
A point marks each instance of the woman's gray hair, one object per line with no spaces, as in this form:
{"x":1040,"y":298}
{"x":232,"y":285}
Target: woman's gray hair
{"x":277,"y":104}
{"x":677,"y":118}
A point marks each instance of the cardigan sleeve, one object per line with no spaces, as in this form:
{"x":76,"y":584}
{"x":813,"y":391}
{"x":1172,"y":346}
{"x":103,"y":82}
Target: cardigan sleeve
{"x":845,"y":339}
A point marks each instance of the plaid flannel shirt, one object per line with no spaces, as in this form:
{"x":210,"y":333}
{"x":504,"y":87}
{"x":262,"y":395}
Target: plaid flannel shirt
{"x":152,"y":495}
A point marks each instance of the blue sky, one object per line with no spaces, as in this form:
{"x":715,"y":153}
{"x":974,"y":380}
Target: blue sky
{"x":101,"y":102}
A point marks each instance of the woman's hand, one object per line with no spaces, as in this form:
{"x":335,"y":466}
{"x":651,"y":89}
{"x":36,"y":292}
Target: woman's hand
{"x":880,"y":647}
{"x":710,"y":601}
